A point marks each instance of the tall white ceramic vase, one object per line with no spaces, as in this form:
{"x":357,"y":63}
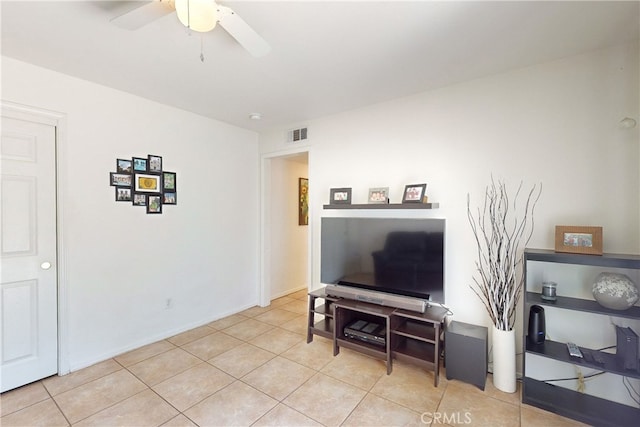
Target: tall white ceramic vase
{"x":504,"y":360}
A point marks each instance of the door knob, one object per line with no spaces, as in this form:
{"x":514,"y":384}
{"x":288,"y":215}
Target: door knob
{"x":45,"y":265}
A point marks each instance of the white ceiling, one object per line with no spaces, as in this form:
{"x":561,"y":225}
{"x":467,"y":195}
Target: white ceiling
{"x":326,"y":57}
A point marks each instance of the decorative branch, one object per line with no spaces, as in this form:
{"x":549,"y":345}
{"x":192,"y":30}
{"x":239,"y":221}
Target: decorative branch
{"x":500,"y":245}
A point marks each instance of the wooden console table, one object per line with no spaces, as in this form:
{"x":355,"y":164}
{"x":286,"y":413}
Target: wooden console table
{"x":410,"y":336}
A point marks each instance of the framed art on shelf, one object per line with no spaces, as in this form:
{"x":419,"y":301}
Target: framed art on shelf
{"x":145,"y":183}
{"x":379,"y":195}
{"x":340,"y":196}
{"x":579,"y":239}
{"x":413,"y":193}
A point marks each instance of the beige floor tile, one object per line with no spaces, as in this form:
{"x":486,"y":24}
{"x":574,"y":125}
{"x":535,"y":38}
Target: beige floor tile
{"x":21,"y":397}
{"x":281,"y":301}
{"x":248,"y":329}
{"x":90,"y":398}
{"x":142,"y":353}
{"x":411,"y":387}
{"x":59,"y":384}
{"x":193,"y":385}
{"x":343,"y":366}
{"x":314,"y":355}
{"x":297,"y":325}
{"x":278,"y":377}
{"x":143,"y":409}
{"x":191,"y":335}
{"x":376,"y":411}
{"x":44,"y":413}
{"x":277,"y":340}
{"x":227,"y":321}
{"x":236,"y":405}
{"x":535,"y":417}
{"x":465,"y":407}
{"x":241,"y":360}
{"x":276,"y":316}
{"x":212,"y":345}
{"x":255,"y":311}
{"x":298,"y":306}
{"x":491,"y":390}
{"x":316,"y":396}
{"x":283,"y":416}
{"x":302,"y":294}
{"x":179,"y":421}
{"x":165,"y":365}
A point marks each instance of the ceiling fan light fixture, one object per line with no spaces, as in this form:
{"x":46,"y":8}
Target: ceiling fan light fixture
{"x":197,"y":15}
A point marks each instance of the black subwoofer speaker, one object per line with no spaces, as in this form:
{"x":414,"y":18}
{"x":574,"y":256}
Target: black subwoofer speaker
{"x":536,"y":325}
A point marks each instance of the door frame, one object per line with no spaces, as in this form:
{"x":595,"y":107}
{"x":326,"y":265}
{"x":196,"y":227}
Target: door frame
{"x":264,"y":291}
{"x":59,"y":122}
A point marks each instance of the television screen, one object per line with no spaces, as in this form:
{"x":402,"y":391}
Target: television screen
{"x":394,"y":255}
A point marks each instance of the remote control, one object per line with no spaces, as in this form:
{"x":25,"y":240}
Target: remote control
{"x":574,"y":351}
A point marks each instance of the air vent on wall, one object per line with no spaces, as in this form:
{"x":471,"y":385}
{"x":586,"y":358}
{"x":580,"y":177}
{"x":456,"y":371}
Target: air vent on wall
{"x":296,"y":135}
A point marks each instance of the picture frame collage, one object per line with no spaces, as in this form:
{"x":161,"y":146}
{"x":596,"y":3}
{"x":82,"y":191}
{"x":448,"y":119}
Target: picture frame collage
{"x":141,"y":181}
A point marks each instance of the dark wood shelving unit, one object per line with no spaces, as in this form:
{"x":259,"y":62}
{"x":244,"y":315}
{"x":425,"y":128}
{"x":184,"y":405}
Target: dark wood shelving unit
{"x":583,"y":407}
{"x":410,"y":336}
{"x":384,"y":206}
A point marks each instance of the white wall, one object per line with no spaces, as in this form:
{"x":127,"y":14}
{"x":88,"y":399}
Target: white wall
{"x":554,"y":123}
{"x":289,"y":241}
{"x":121,"y":264}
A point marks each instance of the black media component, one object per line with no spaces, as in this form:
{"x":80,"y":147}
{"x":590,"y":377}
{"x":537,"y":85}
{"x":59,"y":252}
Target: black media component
{"x":370,"y":332}
{"x":627,"y":348}
{"x":537,"y":330}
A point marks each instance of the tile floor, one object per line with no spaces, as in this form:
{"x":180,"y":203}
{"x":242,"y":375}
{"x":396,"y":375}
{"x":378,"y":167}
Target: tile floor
{"x":256,"y":369}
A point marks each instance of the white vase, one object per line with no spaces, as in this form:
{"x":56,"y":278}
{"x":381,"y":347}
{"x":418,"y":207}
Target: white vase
{"x":504,"y":360}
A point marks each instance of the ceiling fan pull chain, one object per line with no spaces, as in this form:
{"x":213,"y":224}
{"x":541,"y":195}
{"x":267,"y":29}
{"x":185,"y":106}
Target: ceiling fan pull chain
{"x":201,"y":48}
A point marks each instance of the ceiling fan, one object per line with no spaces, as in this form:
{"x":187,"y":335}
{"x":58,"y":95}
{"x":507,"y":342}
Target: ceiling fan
{"x":197,"y":15}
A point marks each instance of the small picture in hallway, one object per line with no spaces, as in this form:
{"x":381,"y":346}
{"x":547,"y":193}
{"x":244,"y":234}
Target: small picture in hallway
{"x":303,"y":201}
{"x":340,"y":196}
{"x":414,"y":193}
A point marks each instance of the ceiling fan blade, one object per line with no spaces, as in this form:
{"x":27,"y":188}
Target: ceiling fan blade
{"x":242,"y":32}
{"x":144,"y":14}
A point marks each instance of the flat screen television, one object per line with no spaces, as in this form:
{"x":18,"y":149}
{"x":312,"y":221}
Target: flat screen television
{"x":401,"y":256}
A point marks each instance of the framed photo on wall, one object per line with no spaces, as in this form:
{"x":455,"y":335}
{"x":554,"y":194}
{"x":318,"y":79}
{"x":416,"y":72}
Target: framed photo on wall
{"x":120,"y":179}
{"x":124,"y":165}
{"x":145,"y":183}
{"x":303,"y":201}
{"x":340,"y":196}
{"x":139,"y":164}
{"x":154,"y":204}
{"x":154,"y":163}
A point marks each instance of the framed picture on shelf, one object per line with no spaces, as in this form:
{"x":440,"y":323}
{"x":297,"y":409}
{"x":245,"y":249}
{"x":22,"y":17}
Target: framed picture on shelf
{"x":170,"y":198}
{"x":413,"y":193}
{"x":139,"y":164}
{"x":120,"y":179}
{"x":154,"y":164}
{"x":145,"y":183}
{"x":123,"y":194}
{"x":340,"y":196}
{"x":579,"y":239}
{"x":154,"y":204}
{"x":379,"y":195}
{"x":139,"y":199}
{"x":168,"y":180}
{"x":124,"y":165}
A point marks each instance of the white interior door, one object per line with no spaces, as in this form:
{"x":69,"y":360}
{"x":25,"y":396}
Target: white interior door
{"x":28,"y":270}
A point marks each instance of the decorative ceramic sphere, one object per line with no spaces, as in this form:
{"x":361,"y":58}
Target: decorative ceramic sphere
{"x":615,"y":291}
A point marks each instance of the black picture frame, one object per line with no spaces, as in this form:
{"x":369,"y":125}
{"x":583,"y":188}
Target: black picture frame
{"x":169,"y":198}
{"x":139,"y":164}
{"x":120,"y":179}
{"x":123,"y":194}
{"x":147,"y":183}
{"x":414,"y":193}
{"x":139,"y":199}
{"x":169,"y":181}
{"x":340,"y":196}
{"x":154,"y":204}
{"x":124,"y":166}
{"x":154,"y":163}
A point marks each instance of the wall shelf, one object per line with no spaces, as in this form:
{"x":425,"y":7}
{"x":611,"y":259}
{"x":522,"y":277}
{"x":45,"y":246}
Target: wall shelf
{"x":385,"y":206}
